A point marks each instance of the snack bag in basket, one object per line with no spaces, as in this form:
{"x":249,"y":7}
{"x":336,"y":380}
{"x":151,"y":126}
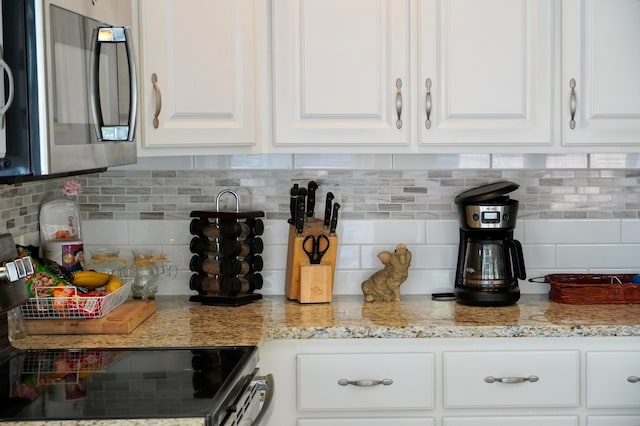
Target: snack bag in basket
{"x":44,"y":279}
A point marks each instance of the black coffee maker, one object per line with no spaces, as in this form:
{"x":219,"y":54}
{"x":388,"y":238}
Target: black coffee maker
{"x":490,"y":261}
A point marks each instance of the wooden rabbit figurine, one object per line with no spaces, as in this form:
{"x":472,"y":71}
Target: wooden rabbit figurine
{"x":385,"y":284}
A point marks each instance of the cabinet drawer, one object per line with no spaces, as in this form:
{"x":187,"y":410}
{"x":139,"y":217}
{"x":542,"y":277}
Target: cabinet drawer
{"x":412,"y":376}
{"x":511,"y":420}
{"x":468,"y":379}
{"x":368,"y":422}
{"x":610,"y":380}
{"x":613,"y":420}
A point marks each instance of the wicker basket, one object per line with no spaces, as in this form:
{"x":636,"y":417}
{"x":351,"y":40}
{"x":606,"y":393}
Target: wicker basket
{"x":591,"y":289}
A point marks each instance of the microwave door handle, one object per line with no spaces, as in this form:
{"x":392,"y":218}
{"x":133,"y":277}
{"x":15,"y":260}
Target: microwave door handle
{"x":4,"y":66}
{"x":112,"y":35}
{"x":94,"y":89}
{"x":133,"y":85}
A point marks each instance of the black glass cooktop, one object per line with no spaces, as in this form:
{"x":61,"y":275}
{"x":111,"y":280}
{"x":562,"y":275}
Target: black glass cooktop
{"x":120,"y":384}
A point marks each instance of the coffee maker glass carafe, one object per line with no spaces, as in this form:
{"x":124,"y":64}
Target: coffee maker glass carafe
{"x":484,"y":265}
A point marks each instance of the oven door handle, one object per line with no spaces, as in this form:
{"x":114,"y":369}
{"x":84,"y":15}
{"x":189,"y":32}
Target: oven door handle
{"x":116,"y":132}
{"x":267,"y":384}
{"x":3,"y":108}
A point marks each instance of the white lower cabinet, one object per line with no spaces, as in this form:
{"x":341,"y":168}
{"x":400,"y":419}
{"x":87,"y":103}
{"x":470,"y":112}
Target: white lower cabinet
{"x":511,"y":379}
{"x":511,"y":421}
{"x":613,"y":379}
{"x":613,"y":421}
{"x":366,"y":422}
{"x":578,"y":381}
{"x":391,"y":381}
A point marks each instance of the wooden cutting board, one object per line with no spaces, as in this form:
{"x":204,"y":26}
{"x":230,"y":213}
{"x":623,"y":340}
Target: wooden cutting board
{"x":122,"y":320}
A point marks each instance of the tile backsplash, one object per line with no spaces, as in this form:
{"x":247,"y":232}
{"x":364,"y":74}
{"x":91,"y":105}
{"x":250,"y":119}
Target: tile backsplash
{"x":578,"y":212}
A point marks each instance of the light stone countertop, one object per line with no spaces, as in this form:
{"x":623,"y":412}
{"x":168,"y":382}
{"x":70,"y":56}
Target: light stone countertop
{"x":179,"y":322}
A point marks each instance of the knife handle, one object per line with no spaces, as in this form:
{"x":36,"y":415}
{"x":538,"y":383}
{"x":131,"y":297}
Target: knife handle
{"x":334,"y":218}
{"x":327,"y":209}
{"x":311,"y":198}
{"x":300,"y":215}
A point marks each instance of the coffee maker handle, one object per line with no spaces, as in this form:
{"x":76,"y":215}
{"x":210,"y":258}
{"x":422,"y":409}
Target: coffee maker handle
{"x":517,"y":259}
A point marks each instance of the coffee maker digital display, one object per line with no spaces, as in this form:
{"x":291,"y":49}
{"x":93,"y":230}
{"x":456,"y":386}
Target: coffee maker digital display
{"x":490,"y":260}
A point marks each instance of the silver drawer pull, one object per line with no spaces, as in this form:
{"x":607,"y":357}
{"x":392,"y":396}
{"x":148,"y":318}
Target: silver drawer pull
{"x":633,"y":379}
{"x":491,"y":379}
{"x":346,"y":382}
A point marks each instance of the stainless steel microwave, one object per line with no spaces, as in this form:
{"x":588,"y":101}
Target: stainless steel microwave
{"x":68,"y":102}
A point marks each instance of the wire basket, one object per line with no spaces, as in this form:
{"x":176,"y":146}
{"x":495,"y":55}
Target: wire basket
{"x":75,"y":306}
{"x":591,"y":289}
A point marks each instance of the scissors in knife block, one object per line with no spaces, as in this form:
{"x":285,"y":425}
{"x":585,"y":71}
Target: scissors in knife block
{"x":315,"y":247}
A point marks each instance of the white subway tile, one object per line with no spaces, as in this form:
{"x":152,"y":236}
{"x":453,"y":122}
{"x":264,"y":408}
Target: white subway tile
{"x":274,"y":257}
{"x":443,"y":231}
{"x":630,"y":231}
{"x":571,"y":231}
{"x":275,"y":232}
{"x":539,"y":255}
{"x":344,"y":161}
{"x":597,"y":256}
{"x":348,"y":257}
{"x":105,"y":232}
{"x":434,"y":256}
{"x":441,"y":161}
{"x":149,"y":232}
{"x":383,"y":232}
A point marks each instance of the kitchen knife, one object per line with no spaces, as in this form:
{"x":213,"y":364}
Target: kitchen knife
{"x":334,"y":218}
{"x":293,"y":204}
{"x":311,"y":198}
{"x":300,"y":214}
{"x":327,"y":209}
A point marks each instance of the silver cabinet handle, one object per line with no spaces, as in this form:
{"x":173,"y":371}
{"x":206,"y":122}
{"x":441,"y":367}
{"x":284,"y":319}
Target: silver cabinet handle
{"x":4,"y":66}
{"x":365,"y":383}
{"x":399,"y":102}
{"x":633,"y":379}
{"x":572,"y":104}
{"x":491,"y":379}
{"x":427,"y":103}
{"x":158,"y":100}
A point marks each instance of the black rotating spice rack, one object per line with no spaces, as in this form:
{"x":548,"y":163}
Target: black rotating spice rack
{"x":227,"y":255}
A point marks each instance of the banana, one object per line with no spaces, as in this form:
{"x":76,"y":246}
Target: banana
{"x":90,"y":279}
{"x":114,"y":283}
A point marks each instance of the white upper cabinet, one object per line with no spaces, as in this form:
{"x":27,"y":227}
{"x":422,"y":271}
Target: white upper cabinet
{"x":486,"y":72}
{"x":601,"y":55}
{"x":197,"y":76}
{"x":341,"y":74}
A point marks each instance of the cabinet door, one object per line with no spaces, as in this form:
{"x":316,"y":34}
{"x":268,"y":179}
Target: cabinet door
{"x":511,"y":379}
{"x":612,"y":379}
{"x":511,"y":420}
{"x":367,"y":422}
{"x":390,"y":381}
{"x":485,"y":72}
{"x":601,"y":53}
{"x":197,"y":75}
{"x":341,"y":70}
{"x":613,"y":420}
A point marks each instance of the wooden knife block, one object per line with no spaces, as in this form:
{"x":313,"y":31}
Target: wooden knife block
{"x":305,"y":282}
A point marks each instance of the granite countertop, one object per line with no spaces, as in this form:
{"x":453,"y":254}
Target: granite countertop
{"x":179,"y":322}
